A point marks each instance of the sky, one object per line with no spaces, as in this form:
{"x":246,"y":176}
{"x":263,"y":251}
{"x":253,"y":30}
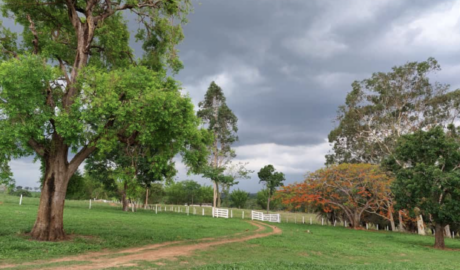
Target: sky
{"x":286,"y":66}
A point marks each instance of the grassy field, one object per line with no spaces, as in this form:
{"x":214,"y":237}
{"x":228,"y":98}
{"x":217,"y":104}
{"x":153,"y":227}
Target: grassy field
{"x":300,"y":246}
{"x":103,"y":226}
{"x":326,"y":248}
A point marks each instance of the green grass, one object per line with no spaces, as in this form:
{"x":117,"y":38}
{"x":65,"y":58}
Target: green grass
{"x":325,"y":247}
{"x":101,"y":227}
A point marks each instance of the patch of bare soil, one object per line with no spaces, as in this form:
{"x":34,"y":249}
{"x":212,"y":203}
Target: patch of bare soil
{"x":128,"y":257}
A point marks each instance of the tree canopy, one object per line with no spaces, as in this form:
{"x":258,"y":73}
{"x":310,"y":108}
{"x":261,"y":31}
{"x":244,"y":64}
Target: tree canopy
{"x":380,"y":109}
{"x":427,"y":176}
{"x":352,"y":188}
{"x":74,"y":85}
{"x":272,"y":179}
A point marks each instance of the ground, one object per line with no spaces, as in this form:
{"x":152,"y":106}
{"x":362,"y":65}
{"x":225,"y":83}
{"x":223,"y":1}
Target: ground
{"x":105,"y":237}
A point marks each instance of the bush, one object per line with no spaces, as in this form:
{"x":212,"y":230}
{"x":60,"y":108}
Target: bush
{"x":18,"y":192}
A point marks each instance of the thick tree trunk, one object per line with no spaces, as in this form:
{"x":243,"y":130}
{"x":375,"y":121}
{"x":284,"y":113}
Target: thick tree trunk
{"x":439,"y":237}
{"x":49,"y":225}
{"x":401,"y":223}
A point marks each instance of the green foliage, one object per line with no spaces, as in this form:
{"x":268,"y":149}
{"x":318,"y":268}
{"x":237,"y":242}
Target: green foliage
{"x":262,"y":200}
{"x":380,"y":109}
{"x":187,"y":192}
{"x":192,"y":190}
{"x":426,"y":167}
{"x":271,"y":177}
{"x":6,"y":175}
{"x":20,"y":191}
{"x":219,"y":118}
{"x":239,"y":198}
{"x":222,"y":122}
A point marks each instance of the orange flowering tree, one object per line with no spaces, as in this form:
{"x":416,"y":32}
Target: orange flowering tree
{"x":352,"y":188}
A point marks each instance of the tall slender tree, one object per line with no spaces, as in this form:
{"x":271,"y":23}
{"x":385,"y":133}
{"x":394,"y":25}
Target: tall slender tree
{"x":223,"y":123}
{"x":73,"y":84}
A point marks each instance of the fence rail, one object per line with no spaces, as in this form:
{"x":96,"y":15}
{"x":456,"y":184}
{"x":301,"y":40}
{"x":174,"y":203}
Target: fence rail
{"x":219,"y":212}
{"x":265,"y":217}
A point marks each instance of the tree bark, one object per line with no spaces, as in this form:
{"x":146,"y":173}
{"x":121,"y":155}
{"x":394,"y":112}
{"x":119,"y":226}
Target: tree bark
{"x":356,"y":220}
{"x":124,"y":199}
{"x":218,"y":195}
{"x":49,"y":225}
{"x":214,"y":201}
{"x":420,"y":225}
{"x":401,"y":223}
{"x":447,"y":231}
{"x":439,"y":237}
{"x":146,"y":202}
{"x":268,"y":203}
{"x":392,"y":222}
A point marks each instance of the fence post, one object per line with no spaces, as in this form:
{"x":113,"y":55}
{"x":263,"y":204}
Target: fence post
{"x":322,"y":221}
{"x":89,"y":203}
{"x":243,"y":215}
{"x":202,"y":211}
{"x":335,"y":221}
{"x":345,"y":223}
{"x":310,"y":221}
{"x":156,"y":208}
{"x":303,"y":220}
{"x":20,"y":200}
{"x":212,"y":211}
{"x":377,"y":227}
{"x":252,"y":215}
{"x":231,"y":213}
{"x":188,"y":210}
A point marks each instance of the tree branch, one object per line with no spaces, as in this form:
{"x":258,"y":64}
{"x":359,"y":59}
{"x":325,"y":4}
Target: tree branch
{"x":38,"y":148}
{"x":34,"y":32}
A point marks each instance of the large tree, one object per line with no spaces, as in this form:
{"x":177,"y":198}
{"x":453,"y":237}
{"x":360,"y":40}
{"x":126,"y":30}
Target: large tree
{"x":272,"y":179}
{"x":73,"y":84}
{"x":219,"y":119}
{"x":427,"y":176}
{"x":386,"y":106}
{"x":352,"y":188}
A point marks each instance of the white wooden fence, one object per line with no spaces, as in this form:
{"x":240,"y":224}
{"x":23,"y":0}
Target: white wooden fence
{"x":219,"y":212}
{"x":265,"y":217}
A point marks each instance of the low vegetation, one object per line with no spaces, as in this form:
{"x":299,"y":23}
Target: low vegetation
{"x":300,"y":246}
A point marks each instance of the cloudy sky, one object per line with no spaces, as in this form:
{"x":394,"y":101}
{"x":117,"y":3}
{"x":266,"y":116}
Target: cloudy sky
{"x":285,"y":67}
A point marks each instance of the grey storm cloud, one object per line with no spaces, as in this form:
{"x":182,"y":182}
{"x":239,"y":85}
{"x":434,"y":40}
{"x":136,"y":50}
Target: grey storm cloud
{"x":285,"y":66}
